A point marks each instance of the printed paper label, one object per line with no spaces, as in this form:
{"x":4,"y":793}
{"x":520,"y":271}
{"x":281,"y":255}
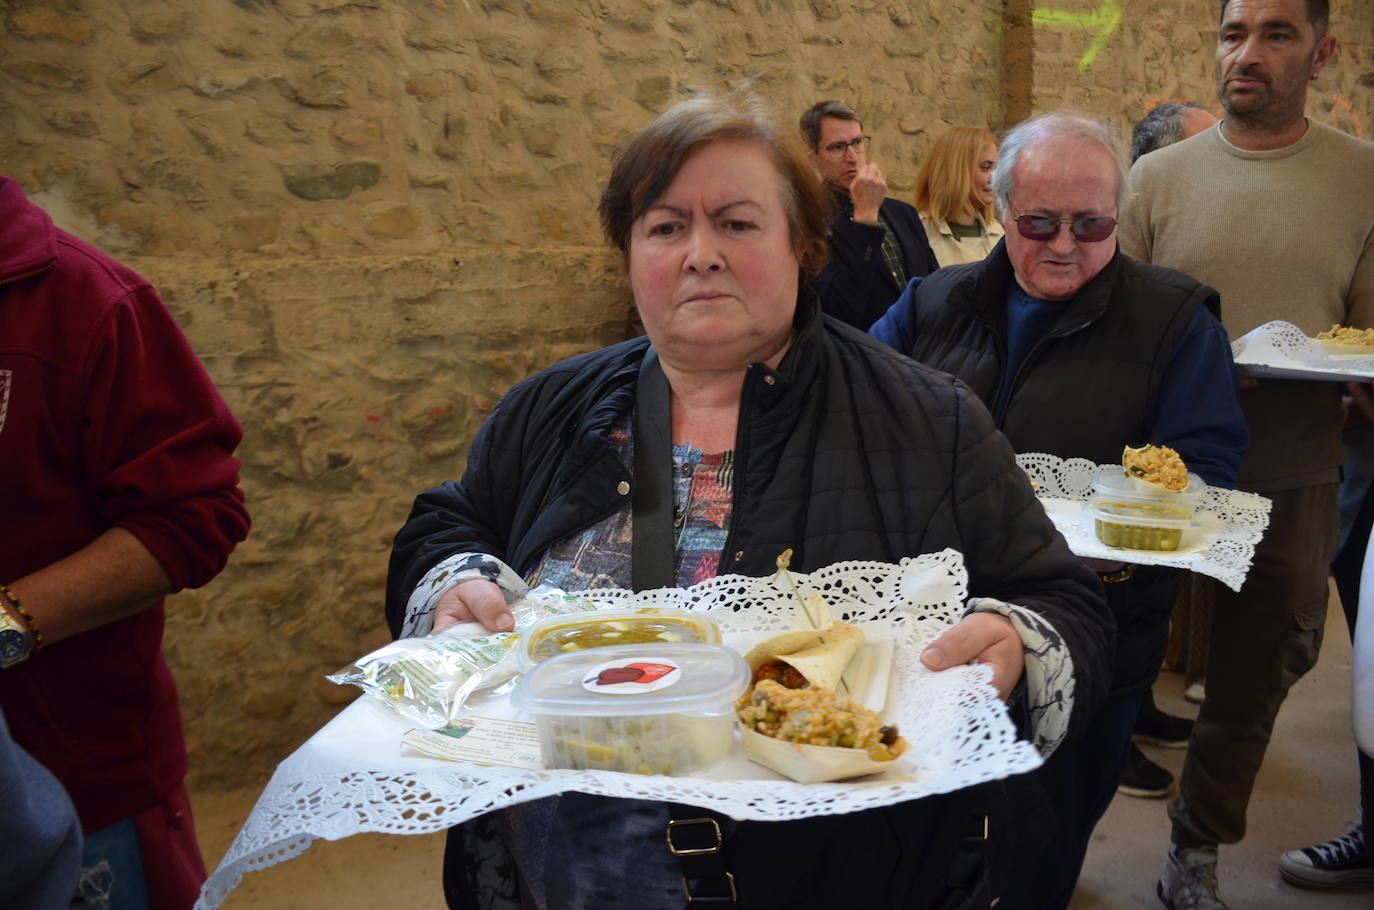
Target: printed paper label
{"x":483,"y":741}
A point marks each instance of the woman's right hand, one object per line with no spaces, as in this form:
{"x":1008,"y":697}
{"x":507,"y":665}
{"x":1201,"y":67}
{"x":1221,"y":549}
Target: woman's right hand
{"x":473,"y":600}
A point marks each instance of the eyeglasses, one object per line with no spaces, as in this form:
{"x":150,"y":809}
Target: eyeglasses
{"x":837,"y":150}
{"x":1090,"y":229}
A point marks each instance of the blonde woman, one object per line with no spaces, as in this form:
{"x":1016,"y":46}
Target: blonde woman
{"x":954,"y":196}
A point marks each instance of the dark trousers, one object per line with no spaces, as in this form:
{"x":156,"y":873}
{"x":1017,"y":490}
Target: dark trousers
{"x":1080,"y":780}
{"x":1081,"y":777}
{"x":1263,"y":640}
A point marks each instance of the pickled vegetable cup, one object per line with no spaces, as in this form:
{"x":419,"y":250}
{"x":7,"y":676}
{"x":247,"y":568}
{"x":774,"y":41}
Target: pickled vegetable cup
{"x":653,"y":708}
{"x":604,"y":628}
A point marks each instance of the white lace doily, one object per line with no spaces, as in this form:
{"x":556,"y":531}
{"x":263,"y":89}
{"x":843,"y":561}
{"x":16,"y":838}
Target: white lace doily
{"x":1281,"y":350}
{"x":352,"y":777}
{"x":1227,"y":524}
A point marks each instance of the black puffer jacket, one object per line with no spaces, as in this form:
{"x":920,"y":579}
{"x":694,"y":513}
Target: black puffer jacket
{"x":847,"y":451}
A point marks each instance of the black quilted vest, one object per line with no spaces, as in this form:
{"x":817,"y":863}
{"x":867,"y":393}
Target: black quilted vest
{"x":1087,"y":388}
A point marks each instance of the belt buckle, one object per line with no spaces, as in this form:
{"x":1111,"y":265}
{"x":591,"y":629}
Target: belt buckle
{"x":692,"y":851}
{"x":701,"y":851}
{"x":693,"y":899}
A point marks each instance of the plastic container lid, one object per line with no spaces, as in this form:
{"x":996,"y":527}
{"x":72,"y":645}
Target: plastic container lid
{"x":626,"y":680}
{"x":1113,"y":483}
{"x":571,"y":632}
{"x":1140,"y":514}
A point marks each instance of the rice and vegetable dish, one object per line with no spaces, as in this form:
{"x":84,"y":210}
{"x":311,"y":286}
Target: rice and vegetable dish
{"x":1345,"y":334}
{"x":815,"y":717}
{"x":1156,"y":464}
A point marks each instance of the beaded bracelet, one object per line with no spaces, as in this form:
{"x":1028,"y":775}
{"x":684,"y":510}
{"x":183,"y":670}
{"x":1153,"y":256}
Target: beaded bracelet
{"x":26,"y":616}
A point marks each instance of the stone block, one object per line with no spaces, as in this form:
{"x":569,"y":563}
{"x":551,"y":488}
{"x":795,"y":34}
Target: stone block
{"x":37,"y":23}
{"x":356,"y":131}
{"x":317,"y":182}
{"x":503,"y":49}
{"x":392,"y":220}
{"x":155,"y":232}
{"x":544,"y":140}
{"x":325,"y":43}
{"x":135,"y":80}
{"x":326,"y":87}
{"x":157,"y":25}
{"x":251,"y":231}
{"x":653,"y":92}
{"x":80,"y":123}
{"x":427,"y":86}
{"x":45,"y":73}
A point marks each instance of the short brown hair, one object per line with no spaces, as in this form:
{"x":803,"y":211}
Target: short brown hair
{"x":648,"y":161}
{"x":811,"y":120}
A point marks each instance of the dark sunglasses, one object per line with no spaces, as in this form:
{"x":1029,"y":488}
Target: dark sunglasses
{"x":1042,"y":227}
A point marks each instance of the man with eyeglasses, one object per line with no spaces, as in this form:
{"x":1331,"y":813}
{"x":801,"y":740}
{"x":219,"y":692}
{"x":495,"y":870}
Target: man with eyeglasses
{"x":1079,"y":351}
{"x":876,"y":244}
{"x":1276,"y":212}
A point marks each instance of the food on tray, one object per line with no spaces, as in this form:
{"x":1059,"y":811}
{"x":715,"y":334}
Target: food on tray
{"x":653,"y":708}
{"x":812,"y":736}
{"x":816,"y":717}
{"x":1159,"y":465}
{"x":1140,"y":525}
{"x":1345,"y":338}
{"x":1135,"y":513}
{"x":818,"y":654}
{"x":599,"y":629}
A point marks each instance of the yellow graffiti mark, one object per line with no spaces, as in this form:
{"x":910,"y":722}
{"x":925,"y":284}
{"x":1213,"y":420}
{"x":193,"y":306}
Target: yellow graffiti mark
{"x":1105,"y":21}
{"x":1359,"y":130}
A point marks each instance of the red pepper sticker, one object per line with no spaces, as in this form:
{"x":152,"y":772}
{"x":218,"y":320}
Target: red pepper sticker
{"x":651,"y":671}
{"x":631,"y":678}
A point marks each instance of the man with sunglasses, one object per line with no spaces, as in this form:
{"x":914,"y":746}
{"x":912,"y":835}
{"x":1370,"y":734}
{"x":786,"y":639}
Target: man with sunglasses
{"x":1079,"y":351}
{"x":876,"y":244}
{"x":1274,"y":210}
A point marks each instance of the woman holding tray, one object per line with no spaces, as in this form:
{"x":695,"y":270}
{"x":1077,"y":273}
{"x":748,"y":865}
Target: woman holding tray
{"x":746,"y":423}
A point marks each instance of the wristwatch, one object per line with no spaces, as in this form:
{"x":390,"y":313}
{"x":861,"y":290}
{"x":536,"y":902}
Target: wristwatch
{"x":15,"y":644}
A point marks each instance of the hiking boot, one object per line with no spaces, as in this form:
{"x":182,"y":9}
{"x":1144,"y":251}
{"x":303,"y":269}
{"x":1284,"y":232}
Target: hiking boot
{"x":1157,"y":728}
{"x":1189,"y":881}
{"x":1142,"y":777}
{"x":1340,"y":861}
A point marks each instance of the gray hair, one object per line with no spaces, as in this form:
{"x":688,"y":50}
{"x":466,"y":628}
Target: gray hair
{"x":1039,"y":129}
{"x":810,"y":124}
{"x":1162,"y":126}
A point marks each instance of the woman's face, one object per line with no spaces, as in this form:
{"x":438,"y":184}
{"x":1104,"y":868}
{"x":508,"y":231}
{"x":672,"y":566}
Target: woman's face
{"x":711,"y":262}
{"x":982,"y":175}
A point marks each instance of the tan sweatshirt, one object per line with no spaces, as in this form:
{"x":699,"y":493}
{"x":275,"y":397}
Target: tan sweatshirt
{"x":1284,"y":234}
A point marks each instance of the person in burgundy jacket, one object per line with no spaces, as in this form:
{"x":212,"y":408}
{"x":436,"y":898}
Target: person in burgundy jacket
{"x":118,"y":486}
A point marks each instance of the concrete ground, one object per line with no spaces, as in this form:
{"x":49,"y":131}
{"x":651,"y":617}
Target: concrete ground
{"x":1306,"y":793}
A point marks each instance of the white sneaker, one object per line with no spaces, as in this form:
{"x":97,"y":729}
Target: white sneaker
{"x":1189,"y":881}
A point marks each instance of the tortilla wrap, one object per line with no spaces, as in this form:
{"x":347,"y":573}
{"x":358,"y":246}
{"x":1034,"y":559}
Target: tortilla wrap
{"x":819,"y":654}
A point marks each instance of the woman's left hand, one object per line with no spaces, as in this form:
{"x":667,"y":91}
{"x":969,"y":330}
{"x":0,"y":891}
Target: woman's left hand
{"x":984,"y":638}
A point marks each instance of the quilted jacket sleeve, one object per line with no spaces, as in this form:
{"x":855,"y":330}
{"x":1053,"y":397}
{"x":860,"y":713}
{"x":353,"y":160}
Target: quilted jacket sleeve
{"x":454,"y":517}
{"x":1015,"y":555}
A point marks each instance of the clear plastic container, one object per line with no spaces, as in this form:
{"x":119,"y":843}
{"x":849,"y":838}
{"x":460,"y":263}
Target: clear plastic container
{"x":1134,"y":515}
{"x":644,"y":709}
{"x":603,"y":628}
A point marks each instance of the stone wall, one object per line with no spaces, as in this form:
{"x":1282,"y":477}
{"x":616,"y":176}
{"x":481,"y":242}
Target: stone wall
{"x":371,"y":218}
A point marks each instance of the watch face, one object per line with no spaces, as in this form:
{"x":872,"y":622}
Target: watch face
{"x":13,"y":646}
